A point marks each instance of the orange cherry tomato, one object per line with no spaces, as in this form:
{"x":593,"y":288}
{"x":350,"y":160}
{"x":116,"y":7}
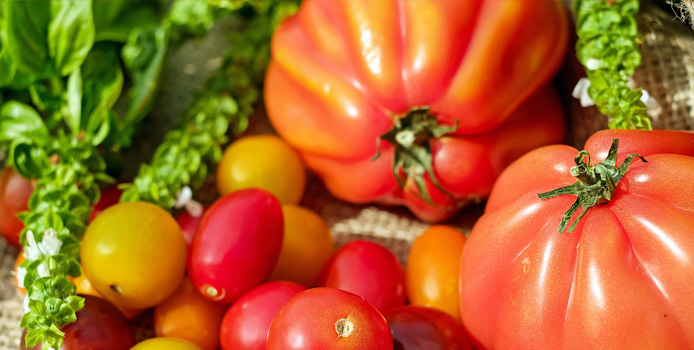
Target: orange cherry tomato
{"x":265,"y":162}
{"x":306,"y":247}
{"x":188,"y":315}
{"x":433,"y":269}
{"x":134,"y":254}
{"x":165,"y":343}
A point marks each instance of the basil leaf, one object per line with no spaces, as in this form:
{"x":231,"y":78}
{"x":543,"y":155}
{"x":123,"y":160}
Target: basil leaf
{"x":102,"y":78}
{"x":44,"y":99}
{"x":29,"y":159}
{"x":7,"y":67}
{"x":70,"y":34}
{"x":21,"y":122}
{"x":27,"y":29}
{"x":114,"y":20}
{"x":191,"y":17}
{"x":143,"y":56}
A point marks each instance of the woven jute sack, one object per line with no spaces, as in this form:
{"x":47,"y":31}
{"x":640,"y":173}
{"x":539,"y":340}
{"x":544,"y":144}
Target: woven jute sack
{"x":667,"y":73}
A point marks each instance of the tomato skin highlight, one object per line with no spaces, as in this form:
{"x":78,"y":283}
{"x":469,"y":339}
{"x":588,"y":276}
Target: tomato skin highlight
{"x":368,"y":270}
{"x":307,"y":322}
{"x":423,"y":328}
{"x":246,"y":324}
{"x":15,"y":192}
{"x":237,"y":245}
{"x":615,"y":281}
{"x":433,"y":269}
{"x":188,"y":315}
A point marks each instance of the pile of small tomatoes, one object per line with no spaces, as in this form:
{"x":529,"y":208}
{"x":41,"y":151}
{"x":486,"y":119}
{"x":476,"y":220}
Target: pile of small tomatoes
{"x":257,"y":271}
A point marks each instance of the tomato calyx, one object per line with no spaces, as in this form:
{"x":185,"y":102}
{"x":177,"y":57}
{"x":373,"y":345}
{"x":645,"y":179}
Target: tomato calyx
{"x":344,"y":327}
{"x":596,"y":184}
{"x":410,"y":137}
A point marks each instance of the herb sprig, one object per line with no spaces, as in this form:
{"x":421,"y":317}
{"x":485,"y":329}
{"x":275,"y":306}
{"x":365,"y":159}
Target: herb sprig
{"x":608,"y":46}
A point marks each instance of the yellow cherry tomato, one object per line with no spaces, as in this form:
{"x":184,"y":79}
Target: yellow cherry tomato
{"x":86,"y":288}
{"x":165,"y":343}
{"x":134,"y":254}
{"x":188,"y":315}
{"x":306,"y":247}
{"x":433,"y":269}
{"x":262,"y":161}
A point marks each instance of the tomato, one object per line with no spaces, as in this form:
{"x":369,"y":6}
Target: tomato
{"x":421,"y":328}
{"x":620,"y":280}
{"x":109,"y":197}
{"x":368,"y":270}
{"x":85,"y":287}
{"x":189,"y":225}
{"x":328,"y":319}
{"x":246,"y":324}
{"x":16,"y":274}
{"x":166,"y":343}
{"x":99,"y":326}
{"x":443,"y":107}
{"x":237,"y":245}
{"x":14,"y":198}
{"x":306,"y":247}
{"x":134,"y":254}
{"x":433,"y":269}
{"x":262,"y":161}
{"x":188,"y":315}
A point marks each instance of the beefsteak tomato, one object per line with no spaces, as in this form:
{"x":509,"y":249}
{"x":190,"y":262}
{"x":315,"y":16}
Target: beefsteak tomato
{"x":416,"y":103}
{"x":623,"y":278}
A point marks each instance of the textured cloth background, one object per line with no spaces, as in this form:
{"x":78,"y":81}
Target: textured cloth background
{"x":667,"y":73}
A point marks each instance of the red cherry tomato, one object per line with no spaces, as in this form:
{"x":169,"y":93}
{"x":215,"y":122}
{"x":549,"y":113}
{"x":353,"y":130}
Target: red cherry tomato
{"x":369,"y":271}
{"x":189,"y":225}
{"x":328,"y":319}
{"x":237,"y":245}
{"x":14,"y":197}
{"x":246,"y":324}
{"x":99,"y":326}
{"x":109,"y":197}
{"x":422,"y":328}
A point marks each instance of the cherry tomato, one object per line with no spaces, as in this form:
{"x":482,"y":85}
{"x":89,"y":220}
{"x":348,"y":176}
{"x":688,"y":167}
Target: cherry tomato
{"x":237,"y":245}
{"x":85,"y":287}
{"x":306,"y":248}
{"x":188,"y":315}
{"x":109,"y":197}
{"x":99,"y":326}
{"x":421,"y":328}
{"x":189,"y":225}
{"x":368,"y":270}
{"x":165,"y":343}
{"x":262,"y":161}
{"x":433,"y":269}
{"x":134,"y":254}
{"x":328,"y":319}
{"x":14,"y":198}
{"x":246,"y":324}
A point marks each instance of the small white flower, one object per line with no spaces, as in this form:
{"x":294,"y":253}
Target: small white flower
{"x":185,"y":200}
{"x":593,"y":64}
{"x":43,"y":270}
{"x":20,"y":274}
{"x":51,"y":244}
{"x":48,"y":347}
{"x":31,"y":251}
{"x":25,"y":304}
{"x":580,"y":92}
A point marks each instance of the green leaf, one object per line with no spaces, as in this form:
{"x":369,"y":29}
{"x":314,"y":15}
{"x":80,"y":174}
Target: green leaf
{"x":19,"y":121}
{"x":27,"y":30}
{"x":70,"y":34}
{"x":114,"y":20}
{"x":28,"y":159}
{"x":72,"y":112}
{"x":7,"y":66}
{"x":102,"y":85}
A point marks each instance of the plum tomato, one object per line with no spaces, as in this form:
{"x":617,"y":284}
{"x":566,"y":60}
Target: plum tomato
{"x":328,"y":319}
{"x":422,"y":328}
{"x":262,"y":161}
{"x":433,"y":269}
{"x":368,"y":270}
{"x":246,"y":324}
{"x":189,"y":224}
{"x":188,"y":315}
{"x":14,"y":198}
{"x":306,"y":248}
{"x":109,"y":197}
{"x":237,"y":245}
{"x":99,"y":326}
{"x":165,"y":343}
{"x":134,"y":254}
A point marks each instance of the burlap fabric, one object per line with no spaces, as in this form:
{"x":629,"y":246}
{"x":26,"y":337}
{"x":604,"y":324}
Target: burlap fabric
{"x":667,"y":73}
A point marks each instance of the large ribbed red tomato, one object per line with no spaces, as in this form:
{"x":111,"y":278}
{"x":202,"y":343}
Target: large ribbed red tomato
{"x":450,"y":91}
{"x":622,"y":279}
